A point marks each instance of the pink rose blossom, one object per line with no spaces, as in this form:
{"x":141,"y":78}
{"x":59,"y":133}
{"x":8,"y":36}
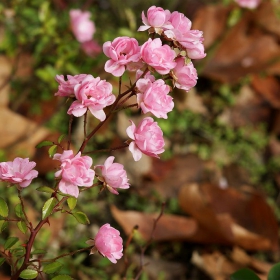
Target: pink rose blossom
{"x":93,"y":94}
{"x":191,"y":40}
{"x":91,"y":48}
{"x":161,"y":58}
{"x":124,"y":52}
{"x":108,"y":243}
{"x":251,"y":4}
{"x":154,"y":98}
{"x":157,"y":18}
{"x":113,"y":175}
{"x":148,"y":139}
{"x":81,"y":25}
{"x":18,"y":171}
{"x":185,"y":75}
{"x":66,"y":88}
{"x":74,"y":171}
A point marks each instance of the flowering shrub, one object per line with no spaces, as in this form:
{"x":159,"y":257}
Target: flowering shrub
{"x":161,"y":63}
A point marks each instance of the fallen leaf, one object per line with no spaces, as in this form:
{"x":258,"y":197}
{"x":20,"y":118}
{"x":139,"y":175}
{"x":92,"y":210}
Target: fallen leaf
{"x":222,"y":212}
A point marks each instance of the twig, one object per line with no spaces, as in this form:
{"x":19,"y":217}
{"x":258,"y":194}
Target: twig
{"x":143,"y":249}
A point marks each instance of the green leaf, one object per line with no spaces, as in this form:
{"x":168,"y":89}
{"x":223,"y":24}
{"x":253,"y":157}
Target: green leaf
{"x":22,"y":226}
{"x":62,"y":277}
{"x":48,"y":207}
{"x":44,"y":144}
{"x":10,"y":242}
{"x":52,"y":150}
{"x":71,"y":201}
{"x":3,"y":225}
{"x":39,"y":252}
{"x":28,"y":274}
{"x":19,"y":211}
{"x":81,"y":217}
{"x":61,"y":137}
{"x":45,"y":189}
{"x":4,"y":210}
{"x":274,"y":273}
{"x":2,"y":260}
{"x":52,"y":267}
{"x":244,"y":274}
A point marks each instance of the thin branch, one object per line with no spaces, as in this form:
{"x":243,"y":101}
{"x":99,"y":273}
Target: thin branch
{"x":70,"y":131}
{"x":143,"y":249}
{"x":107,"y":150}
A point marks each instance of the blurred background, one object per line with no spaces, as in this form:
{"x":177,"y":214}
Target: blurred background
{"x":219,"y":175}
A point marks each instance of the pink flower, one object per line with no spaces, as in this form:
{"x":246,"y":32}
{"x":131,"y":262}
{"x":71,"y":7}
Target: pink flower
{"x":148,"y":139}
{"x":93,"y":94}
{"x":81,"y":25}
{"x":91,"y":48}
{"x":161,"y":58}
{"x":191,"y":40}
{"x":154,"y":98}
{"x":66,"y":88}
{"x":157,"y":18}
{"x":74,"y":171}
{"x":123,"y":52}
{"x":18,"y":171}
{"x":108,"y":243}
{"x":113,"y":175}
{"x":185,"y":75}
{"x":251,"y":4}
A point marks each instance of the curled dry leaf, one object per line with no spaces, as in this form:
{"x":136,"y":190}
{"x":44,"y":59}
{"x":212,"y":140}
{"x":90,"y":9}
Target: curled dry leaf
{"x":236,"y":217}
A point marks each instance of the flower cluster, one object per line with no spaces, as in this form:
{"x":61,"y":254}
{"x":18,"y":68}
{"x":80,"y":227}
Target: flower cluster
{"x":164,"y":57}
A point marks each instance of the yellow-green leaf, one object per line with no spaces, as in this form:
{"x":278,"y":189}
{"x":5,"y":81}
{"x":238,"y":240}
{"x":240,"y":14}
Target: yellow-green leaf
{"x":48,"y":207}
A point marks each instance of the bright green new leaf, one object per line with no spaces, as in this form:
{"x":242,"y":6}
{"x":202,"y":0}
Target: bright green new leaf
{"x":10,"y":242}
{"x":3,"y":225}
{"x":52,"y":267}
{"x":28,"y":274}
{"x":48,"y":207}
{"x":71,"y":201}
{"x":244,"y":274}
{"x":52,"y":150}
{"x":2,"y":260}
{"x":45,"y":189}
{"x":4,"y":210}
{"x":61,"y":137}
{"x":62,"y":277}
{"x":274,"y":273}
{"x":44,"y":144}
{"x":19,"y":211}
{"x":81,"y":217}
{"x":22,"y":226}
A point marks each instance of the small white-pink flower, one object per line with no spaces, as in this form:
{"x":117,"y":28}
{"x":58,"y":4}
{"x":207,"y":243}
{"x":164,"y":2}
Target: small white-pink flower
{"x":160,"y":57}
{"x":81,"y":25}
{"x":108,"y":243}
{"x":157,"y":18}
{"x":19,"y":171}
{"x":113,"y":175}
{"x":147,"y":139}
{"x":66,"y":88}
{"x":92,"y":94}
{"x":153,"y":97}
{"x":184,"y":75}
{"x":251,"y":4}
{"x":124,"y":53}
{"x":74,"y":171}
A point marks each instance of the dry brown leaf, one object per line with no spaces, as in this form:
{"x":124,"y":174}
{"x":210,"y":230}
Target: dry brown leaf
{"x":212,"y":21}
{"x":268,"y":88}
{"x":241,"y":52}
{"x":221,"y":212}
